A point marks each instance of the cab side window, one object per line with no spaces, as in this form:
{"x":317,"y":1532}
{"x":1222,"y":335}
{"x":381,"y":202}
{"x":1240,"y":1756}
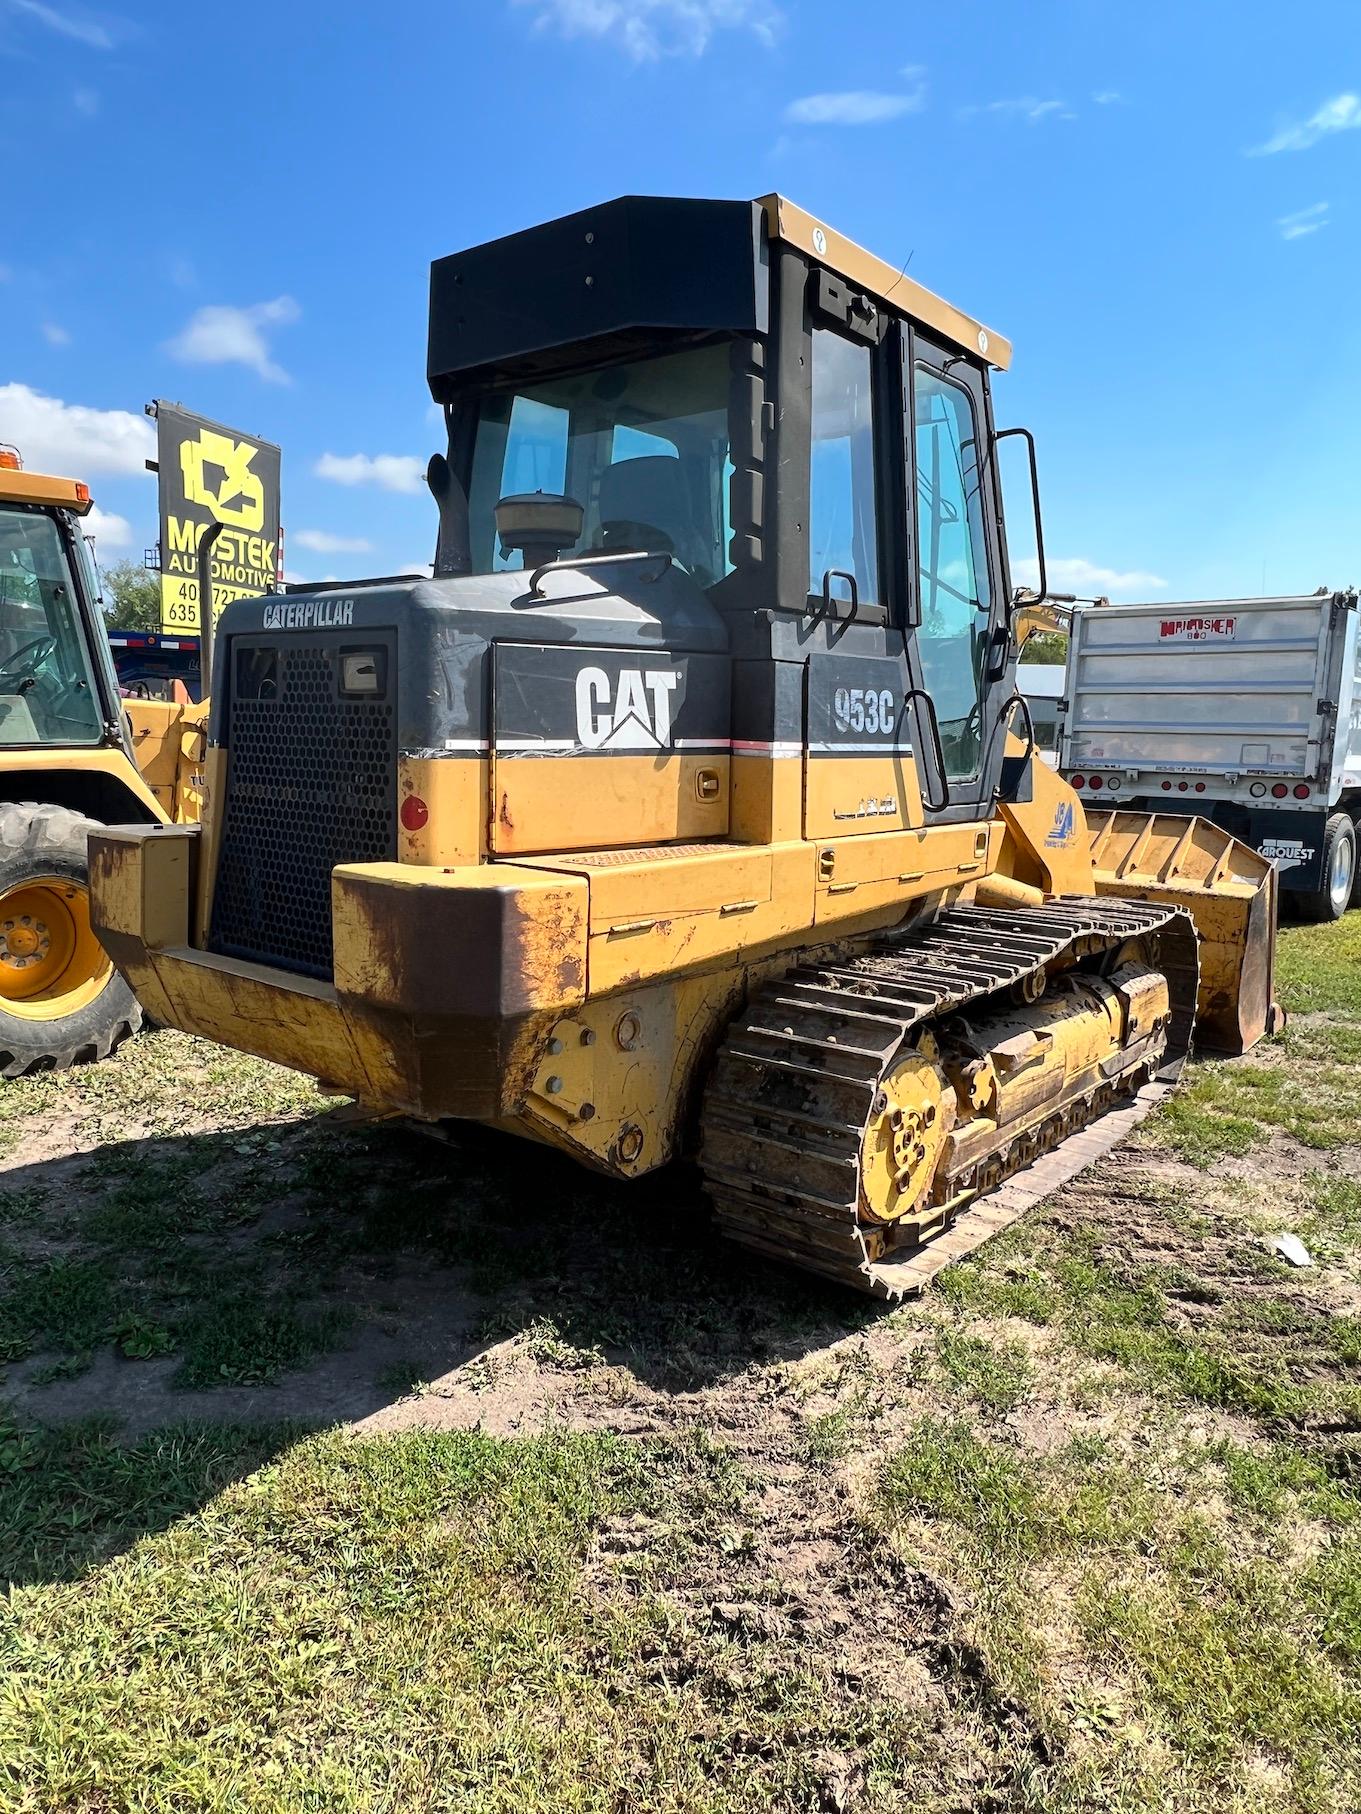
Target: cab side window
{"x":952,"y":565}
{"x":843,"y":528}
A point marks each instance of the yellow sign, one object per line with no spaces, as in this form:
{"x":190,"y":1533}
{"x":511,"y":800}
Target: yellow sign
{"x":210,"y":474}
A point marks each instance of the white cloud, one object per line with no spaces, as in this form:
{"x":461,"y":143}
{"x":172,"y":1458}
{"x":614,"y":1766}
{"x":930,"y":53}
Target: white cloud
{"x":1086,"y":579}
{"x":417,"y":568}
{"x":390,"y":472}
{"x":1308,"y":220}
{"x":858,"y":106}
{"x":1341,"y":114}
{"x":647,"y":29}
{"x":1028,"y":108}
{"x":1107,"y":97}
{"x":55,"y":335}
{"x":86,"y":101}
{"x":321,"y":541}
{"x":71,"y":439}
{"x":222,"y":335}
{"x":67,"y":23}
{"x":108,"y":530}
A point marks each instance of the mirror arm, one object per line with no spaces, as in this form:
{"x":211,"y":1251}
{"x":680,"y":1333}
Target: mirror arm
{"x":1003,"y":434}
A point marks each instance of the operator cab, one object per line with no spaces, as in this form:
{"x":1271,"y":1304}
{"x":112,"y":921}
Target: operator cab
{"x":794,"y":430}
{"x":48,"y":689}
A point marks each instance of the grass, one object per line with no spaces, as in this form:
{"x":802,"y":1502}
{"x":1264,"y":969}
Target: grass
{"x":1080,"y":1531}
{"x":409,"y":1624}
{"x":1205,"y":1649}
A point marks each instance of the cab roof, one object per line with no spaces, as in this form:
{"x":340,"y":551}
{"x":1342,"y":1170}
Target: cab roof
{"x":786,"y":221}
{"x":627,"y":276}
{"x":19,"y":487}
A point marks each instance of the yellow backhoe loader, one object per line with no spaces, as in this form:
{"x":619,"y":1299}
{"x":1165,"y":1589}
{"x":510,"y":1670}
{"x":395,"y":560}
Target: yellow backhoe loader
{"x":72,"y":756}
{"x":689,"y":807}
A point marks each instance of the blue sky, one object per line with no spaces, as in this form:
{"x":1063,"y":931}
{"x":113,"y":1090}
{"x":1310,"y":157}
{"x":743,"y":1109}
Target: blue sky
{"x":1159,"y":203}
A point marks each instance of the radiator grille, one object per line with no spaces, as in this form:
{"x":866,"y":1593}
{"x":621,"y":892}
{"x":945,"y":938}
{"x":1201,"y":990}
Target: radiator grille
{"x":311,"y":782}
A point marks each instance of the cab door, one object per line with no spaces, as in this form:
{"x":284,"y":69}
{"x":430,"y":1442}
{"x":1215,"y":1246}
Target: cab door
{"x":959,"y":648}
{"x":859,"y":772}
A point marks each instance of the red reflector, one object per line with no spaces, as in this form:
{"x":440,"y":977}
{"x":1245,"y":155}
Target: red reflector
{"x":1181,"y":787}
{"x":82,"y":493}
{"x":1079,"y":781}
{"x":1302,"y":791}
{"x":1167,"y":787}
{"x":1200,"y":787}
{"x":414,"y":812}
{"x":1279,"y":791}
{"x":1096,"y":781}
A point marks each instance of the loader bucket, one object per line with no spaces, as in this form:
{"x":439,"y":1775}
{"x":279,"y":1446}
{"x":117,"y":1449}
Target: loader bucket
{"x":1230,"y":893}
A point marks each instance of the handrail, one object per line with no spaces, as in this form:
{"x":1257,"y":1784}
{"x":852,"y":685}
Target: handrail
{"x":576,"y":561}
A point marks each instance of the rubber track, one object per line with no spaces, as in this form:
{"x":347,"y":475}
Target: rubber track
{"x":795,"y":1081}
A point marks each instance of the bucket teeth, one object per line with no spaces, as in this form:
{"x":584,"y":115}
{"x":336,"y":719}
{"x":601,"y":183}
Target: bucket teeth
{"x":798,"y":1077}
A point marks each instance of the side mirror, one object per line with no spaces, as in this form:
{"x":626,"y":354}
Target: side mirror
{"x":541,"y":524}
{"x":1003,"y":434}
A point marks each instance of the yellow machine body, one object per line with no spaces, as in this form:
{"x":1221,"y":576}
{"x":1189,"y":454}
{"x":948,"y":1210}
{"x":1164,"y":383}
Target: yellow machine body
{"x":664,"y":866}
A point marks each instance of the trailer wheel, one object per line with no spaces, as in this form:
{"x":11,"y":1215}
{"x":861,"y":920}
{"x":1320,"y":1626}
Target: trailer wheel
{"x":61,"y":1000}
{"x":1332,"y":900}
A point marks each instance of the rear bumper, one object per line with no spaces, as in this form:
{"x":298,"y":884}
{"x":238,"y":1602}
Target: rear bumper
{"x":445,"y":980}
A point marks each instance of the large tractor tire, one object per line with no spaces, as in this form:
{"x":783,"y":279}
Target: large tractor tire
{"x":1332,"y":900}
{"x":61,"y":1000}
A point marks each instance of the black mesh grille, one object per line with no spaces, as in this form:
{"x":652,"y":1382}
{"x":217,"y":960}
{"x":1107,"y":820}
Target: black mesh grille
{"x":311,"y":782}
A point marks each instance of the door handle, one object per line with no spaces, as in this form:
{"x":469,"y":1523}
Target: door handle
{"x":912,"y":697}
{"x":999,"y":653}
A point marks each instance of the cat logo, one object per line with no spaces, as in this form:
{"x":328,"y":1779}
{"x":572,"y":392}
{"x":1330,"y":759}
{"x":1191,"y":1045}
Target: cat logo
{"x":634,"y":715}
{"x":238,"y":498}
{"x":1061,"y":831}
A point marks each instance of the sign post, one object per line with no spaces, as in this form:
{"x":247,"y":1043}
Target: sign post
{"x":211,"y":476}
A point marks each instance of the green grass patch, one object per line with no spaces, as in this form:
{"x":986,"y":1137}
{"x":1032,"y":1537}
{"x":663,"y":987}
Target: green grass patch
{"x":67,"y":1303}
{"x":1318,"y":968}
{"x":1207,"y":1652}
{"x":1265,"y":1357}
{"x":999,"y":1375}
{"x":406,"y":1622}
{"x":242,"y":1337}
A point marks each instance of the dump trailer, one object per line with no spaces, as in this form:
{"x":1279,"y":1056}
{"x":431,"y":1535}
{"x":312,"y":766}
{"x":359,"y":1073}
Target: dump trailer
{"x":682,"y":810}
{"x":72,"y":756}
{"x":1245,"y":710}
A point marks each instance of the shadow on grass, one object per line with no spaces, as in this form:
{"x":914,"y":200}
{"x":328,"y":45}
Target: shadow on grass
{"x":173,"y":1311}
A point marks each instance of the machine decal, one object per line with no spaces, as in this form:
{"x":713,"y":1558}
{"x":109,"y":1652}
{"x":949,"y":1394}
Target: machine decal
{"x":855,"y":707}
{"x":554,"y":699}
{"x":1061,"y":831}
{"x":1198,"y":629}
{"x":310,"y":614}
{"x":886,"y":808}
{"x":633,"y":714}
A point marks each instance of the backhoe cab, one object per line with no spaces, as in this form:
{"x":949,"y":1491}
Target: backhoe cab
{"x":70,"y":757}
{"x":681,"y":809}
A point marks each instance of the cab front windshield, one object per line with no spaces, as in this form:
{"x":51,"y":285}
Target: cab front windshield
{"x":47,"y":690}
{"x":642,"y":447}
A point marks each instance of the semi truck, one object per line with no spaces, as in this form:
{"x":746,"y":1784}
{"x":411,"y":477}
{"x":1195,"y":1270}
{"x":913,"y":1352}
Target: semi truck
{"x":1245,"y":711}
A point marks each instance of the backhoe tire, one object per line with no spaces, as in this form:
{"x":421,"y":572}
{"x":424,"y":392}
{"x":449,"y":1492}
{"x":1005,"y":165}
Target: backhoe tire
{"x":61,"y":1000}
{"x":1332,"y":900}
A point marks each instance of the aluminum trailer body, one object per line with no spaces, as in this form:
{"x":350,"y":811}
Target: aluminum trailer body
{"x":1245,"y":711}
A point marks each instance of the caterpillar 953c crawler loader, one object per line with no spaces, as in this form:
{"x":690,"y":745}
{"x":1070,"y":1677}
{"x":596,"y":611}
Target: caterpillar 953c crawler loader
{"x":689,"y":807}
